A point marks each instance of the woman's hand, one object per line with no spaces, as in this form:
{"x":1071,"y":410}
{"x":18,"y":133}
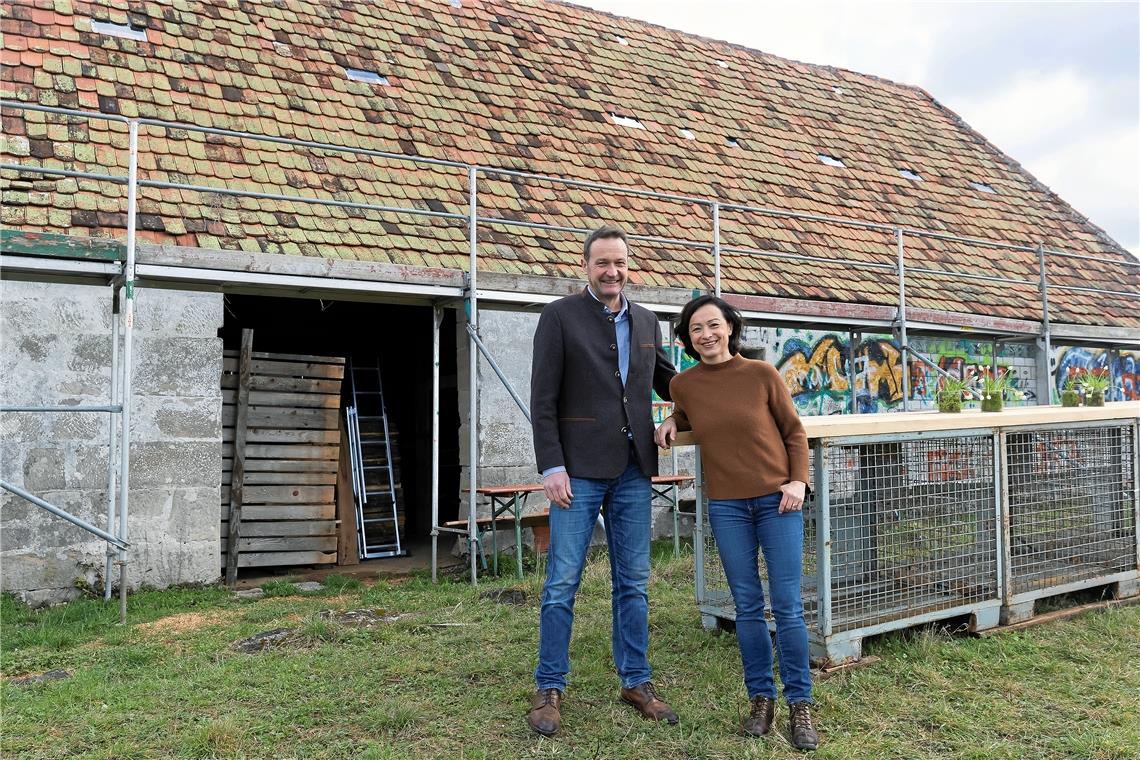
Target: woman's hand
{"x":793,"y":498}
{"x":666,"y":433}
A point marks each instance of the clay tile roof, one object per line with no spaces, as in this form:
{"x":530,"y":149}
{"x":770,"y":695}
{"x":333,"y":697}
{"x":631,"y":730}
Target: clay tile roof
{"x":529,"y":86}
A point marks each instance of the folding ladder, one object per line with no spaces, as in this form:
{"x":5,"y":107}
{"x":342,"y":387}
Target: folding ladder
{"x":373,"y":467}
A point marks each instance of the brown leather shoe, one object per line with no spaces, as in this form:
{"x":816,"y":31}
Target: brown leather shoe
{"x":759,"y":720}
{"x":545,"y":715}
{"x":799,"y":725}
{"x":645,"y":699}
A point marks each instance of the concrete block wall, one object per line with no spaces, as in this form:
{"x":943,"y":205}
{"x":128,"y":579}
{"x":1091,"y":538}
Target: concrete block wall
{"x":55,"y":348}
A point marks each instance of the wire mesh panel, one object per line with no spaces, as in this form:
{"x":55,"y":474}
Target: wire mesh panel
{"x":913,"y":528}
{"x":1071,"y":505}
{"x":717,"y":596}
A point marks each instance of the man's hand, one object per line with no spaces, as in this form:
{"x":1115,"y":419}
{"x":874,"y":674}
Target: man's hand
{"x":556,"y":486}
{"x":666,"y":433}
{"x":793,"y":498}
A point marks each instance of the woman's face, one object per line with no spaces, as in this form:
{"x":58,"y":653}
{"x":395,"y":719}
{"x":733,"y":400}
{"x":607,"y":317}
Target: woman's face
{"x":709,"y":332}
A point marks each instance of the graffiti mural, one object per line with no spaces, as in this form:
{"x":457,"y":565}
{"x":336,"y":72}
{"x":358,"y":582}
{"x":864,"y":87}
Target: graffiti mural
{"x":1122,"y":366}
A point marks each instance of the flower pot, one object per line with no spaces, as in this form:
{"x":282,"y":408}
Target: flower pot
{"x":949,"y":402}
{"x":1070,"y":398}
{"x":991,"y":404}
{"x":1096,"y":398}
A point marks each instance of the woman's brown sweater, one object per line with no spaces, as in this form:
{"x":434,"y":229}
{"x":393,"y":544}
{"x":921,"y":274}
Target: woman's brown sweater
{"x":742,"y":415}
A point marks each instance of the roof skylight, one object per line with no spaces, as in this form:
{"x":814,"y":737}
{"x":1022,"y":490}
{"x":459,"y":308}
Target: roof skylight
{"x":831,"y":161}
{"x":908,"y":174}
{"x":688,"y":134}
{"x":983,"y":187}
{"x":626,"y":121}
{"x":368,"y":77}
{"x":118,"y":30}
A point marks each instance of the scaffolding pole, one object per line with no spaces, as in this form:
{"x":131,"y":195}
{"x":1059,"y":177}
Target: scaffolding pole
{"x":472,"y":302}
{"x":902,"y":320}
{"x":437,"y":323}
{"x":109,"y":565}
{"x":128,"y":305}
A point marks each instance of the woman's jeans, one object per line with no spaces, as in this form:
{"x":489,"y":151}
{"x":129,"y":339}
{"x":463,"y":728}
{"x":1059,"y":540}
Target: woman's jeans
{"x":740,"y":527}
{"x":627,"y":500}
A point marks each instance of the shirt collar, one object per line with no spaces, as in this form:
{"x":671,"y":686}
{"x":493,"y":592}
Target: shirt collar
{"x":624,"y":303}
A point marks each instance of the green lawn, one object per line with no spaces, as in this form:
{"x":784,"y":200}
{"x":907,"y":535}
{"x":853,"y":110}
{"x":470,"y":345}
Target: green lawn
{"x":451,"y":676}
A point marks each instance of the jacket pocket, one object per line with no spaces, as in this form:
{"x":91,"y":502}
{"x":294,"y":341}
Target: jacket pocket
{"x":577,"y":419}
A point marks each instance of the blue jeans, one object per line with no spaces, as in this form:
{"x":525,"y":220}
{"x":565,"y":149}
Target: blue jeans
{"x":740,"y":527}
{"x":627,"y":500}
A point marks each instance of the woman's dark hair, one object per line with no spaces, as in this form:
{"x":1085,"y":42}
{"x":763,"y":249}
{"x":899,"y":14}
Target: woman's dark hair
{"x":731,"y":316}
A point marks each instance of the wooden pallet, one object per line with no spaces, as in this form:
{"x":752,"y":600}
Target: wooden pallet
{"x":281,"y":448}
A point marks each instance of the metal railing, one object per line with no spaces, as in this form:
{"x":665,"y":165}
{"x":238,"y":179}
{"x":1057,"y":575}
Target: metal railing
{"x":713,"y":245}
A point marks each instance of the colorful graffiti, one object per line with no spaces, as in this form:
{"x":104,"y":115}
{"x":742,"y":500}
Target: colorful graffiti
{"x":1122,"y":365}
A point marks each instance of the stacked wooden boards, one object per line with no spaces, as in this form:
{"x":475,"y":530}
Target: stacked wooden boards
{"x":281,"y":452}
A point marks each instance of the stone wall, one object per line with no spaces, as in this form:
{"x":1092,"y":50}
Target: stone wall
{"x":55,"y":348}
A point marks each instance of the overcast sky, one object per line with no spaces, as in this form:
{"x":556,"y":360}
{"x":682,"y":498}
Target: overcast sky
{"x":1054,"y":85}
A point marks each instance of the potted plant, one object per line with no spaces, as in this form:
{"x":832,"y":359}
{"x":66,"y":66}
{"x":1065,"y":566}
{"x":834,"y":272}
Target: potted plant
{"x":993,"y":391}
{"x":949,"y":396}
{"x":1094,"y":385}
{"x":1071,"y":395}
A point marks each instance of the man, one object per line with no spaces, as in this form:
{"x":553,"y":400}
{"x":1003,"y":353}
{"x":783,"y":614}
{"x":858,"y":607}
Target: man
{"x":597,"y":357}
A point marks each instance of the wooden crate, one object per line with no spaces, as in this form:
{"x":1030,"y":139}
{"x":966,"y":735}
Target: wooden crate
{"x":292,"y":447}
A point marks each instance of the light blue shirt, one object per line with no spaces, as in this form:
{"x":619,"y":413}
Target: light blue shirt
{"x":621,"y":326}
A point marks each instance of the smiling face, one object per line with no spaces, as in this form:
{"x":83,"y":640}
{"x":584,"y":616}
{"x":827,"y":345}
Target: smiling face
{"x":709,"y":332}
{"x":607,"y":269}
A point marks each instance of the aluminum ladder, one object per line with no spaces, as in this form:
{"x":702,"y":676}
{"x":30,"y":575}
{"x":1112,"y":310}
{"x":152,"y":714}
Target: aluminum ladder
{"x":373,"y":469}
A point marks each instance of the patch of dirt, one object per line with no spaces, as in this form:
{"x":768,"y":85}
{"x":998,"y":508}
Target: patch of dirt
{"x":186,"y":621}
{"x":27,"y":679}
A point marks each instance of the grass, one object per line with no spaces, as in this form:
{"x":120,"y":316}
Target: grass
{"x":451,"y":676}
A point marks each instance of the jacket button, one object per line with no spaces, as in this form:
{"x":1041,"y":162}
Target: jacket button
{"x":625,"y":430}
{"x":610,"y":319}
{"x":613,"y":346}
{"x":625,"y":399}
{"x":617,"y":373}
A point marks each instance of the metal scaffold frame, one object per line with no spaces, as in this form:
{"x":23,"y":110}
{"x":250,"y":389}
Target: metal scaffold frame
{"x":440,"y":296}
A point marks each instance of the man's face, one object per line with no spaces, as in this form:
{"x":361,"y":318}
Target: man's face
{"x":608,"y":268}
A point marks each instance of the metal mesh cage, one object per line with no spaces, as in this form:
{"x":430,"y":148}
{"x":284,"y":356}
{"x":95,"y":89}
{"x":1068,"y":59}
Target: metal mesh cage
{"x":1071,"y":506}
{"x":913,"y":529}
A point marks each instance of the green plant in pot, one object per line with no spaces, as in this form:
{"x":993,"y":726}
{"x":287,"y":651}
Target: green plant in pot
{"x":949,"y":396}
{"x":1071,"y":395}
{"x":1094,"y":385}
{"x":993,"y":391}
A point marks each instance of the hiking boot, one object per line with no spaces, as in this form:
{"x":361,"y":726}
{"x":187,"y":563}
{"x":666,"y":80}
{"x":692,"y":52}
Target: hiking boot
{"x":802,"y":732}
{"x":651,"y":706}
{"x":759,"y":720}
{"x":545,"y":715}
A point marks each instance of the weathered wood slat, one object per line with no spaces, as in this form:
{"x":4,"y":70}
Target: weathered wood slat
{"x":286,"y":478}
{"x":294,"y":400}
{"x":281,"y":435}
{"x":290,"y":369}
{"x":287,"y":494}
{"x":284,"y":451}
{"x":256,"y":528}
{"x":283,"y":417}
{"x":267,"y":559}
{"x":287,"y":544}
{"x":289,"y":357}
{"x":289,"y":512}
{"x":291,"y":384}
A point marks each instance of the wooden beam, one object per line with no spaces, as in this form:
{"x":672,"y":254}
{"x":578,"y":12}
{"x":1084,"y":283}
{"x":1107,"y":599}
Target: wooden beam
{"x":238,"y":477}
{"x":62,"y":246}
{"x":347,"y":549}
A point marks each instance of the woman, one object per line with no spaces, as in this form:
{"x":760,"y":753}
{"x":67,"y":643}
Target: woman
{"x":755,"y":456}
